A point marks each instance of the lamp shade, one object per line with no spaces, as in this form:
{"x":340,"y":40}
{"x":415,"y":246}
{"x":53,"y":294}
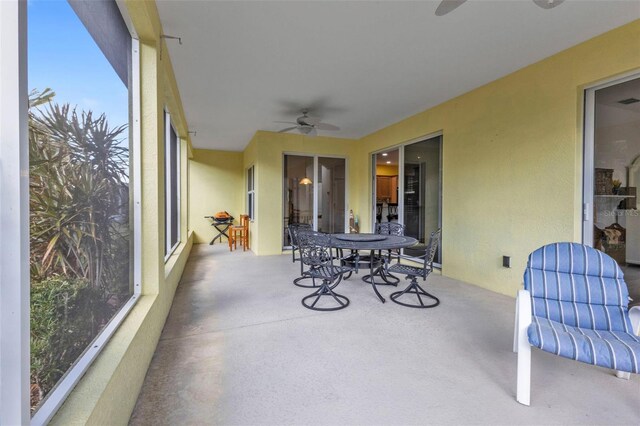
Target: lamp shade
{"x":305,"y":181}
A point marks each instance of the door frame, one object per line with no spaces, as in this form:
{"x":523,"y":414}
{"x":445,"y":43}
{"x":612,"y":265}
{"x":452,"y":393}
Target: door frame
{"x":588,"y":149}
{"x":315,"y":187}
{"x":401,"y":146}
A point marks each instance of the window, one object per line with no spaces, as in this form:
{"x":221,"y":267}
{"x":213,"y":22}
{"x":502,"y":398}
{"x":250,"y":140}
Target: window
{"x":172,"y":187}
{"x":251,"y":192}
{"x":80,"y":62}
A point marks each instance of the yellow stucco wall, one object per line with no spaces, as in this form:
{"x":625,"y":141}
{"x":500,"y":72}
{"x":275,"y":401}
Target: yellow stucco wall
{"x":108,"y":391}
{"x":512,"y":158}
{"x":217,"y":179}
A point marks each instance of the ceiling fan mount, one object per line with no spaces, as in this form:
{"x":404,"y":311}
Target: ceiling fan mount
{"x":307,"y":125}
{"x":447,"y":6}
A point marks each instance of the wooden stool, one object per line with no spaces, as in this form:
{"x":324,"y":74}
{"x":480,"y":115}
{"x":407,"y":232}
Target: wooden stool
{"x":239,"y":232}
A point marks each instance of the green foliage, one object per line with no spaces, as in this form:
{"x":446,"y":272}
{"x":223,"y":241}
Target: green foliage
{"x":79,"y":230}
{"x":79,"y":194}
{"x":63,"y":323}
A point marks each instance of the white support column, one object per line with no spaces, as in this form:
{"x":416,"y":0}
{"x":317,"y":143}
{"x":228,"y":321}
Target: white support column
{"x":14,"y":215}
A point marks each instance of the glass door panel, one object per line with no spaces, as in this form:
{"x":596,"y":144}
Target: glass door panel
{"x":298,"y":192}
{"x":331,"y":194}
{"x":386,"y":186}
{"x":421,"y":192}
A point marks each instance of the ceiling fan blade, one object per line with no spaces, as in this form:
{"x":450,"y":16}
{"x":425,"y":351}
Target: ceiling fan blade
{"x":286,"y":122}
{"x":548,"y":4}
{"x":326,"y":126}
{"x":447,"y":6}
{"x":287,"y":129}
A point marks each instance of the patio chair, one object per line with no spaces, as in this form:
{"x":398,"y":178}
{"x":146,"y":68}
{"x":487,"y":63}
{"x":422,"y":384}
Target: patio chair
{"x":413,"y":272}
{"x":239,"y":233}
{"x":378,"y":212}
{"x":316,"y":253}
{"x":390,"y":228}
{"x":392,"y":211}
{"x":294,"y":229}
{"x":575,"y":305}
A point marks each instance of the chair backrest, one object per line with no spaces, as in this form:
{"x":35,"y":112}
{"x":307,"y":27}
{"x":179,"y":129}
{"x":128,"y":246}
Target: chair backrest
{"x":578,"y":286}
{"x":393,"y":208}
{"x":390,"y":228}
{"x":244,"y":220}
{"x":430,"y":252}
{"x":378,"y":208}
{"x":294,"y":229}
{"x":315,"y":248}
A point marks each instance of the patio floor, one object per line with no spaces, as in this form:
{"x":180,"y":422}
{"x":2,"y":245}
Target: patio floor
{"x":239,"y":348}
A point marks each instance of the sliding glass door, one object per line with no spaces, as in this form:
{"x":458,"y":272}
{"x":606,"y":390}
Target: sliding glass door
{"x":314,"y":193}
{"x":407,"y":186}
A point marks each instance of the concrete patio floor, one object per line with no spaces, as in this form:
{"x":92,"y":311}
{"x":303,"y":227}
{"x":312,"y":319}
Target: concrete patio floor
{"x":239,"y":348}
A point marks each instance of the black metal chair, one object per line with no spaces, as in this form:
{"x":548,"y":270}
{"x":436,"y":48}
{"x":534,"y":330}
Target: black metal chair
{"x":413,"y":272}
{"x":390,"y":228}
{"x":294,"y":229}
{"x":378,"y":212}
{"x":392,"y":211}
{"x":317,"y":254}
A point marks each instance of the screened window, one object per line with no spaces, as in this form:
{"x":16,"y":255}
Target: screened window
{"x":81,"y":235}
{"x":251,"y":192}
{"x":172,"y":187}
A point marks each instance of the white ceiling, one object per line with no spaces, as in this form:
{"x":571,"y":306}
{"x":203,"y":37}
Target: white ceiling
{"x":364,"y":64}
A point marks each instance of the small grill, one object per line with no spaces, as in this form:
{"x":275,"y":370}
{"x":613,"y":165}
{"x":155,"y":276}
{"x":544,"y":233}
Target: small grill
{"x":221,"y":221}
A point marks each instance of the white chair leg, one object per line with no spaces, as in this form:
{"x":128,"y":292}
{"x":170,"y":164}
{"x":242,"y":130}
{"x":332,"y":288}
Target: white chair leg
{"x":634,"y":316}
{"x":515,"y":329}
{"x":523,"y":385}
{"x":623,"y":375}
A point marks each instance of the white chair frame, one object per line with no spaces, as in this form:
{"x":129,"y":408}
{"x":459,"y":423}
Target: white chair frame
{"x":522,"y":346}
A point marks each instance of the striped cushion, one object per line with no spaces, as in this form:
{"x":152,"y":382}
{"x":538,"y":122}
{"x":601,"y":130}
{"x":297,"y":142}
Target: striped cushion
{"x":611,"y":349}
{"x":578,"y":286}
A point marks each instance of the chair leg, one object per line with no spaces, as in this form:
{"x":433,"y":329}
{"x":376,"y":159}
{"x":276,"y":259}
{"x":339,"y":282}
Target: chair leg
{"x":515,"y":331}
{"x":523,"y":394}
{"x":523,"y":386}
{"x":414,"y":288}
{"x":324,"y":291}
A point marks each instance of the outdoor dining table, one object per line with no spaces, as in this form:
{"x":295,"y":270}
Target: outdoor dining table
{"x":372,"y":242}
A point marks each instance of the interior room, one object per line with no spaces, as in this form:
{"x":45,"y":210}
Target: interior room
{"x":304,"y":212}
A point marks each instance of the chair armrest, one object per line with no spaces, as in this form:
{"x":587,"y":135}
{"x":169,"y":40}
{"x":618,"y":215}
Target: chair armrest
{"x":523,"y":302}
{"x":634,"y":316}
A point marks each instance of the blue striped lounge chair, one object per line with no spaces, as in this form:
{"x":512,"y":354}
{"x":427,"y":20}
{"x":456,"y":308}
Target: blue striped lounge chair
{"x":575,"y":304}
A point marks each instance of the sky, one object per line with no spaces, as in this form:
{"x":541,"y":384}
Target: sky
{"x":63,"y":56}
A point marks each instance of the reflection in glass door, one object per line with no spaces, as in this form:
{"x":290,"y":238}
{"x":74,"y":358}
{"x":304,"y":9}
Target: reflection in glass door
{"x":612,"y":175}
{"x":314,"y":193}
{"x":421,"y":200}
{"x":298,"y":192}
{"x":407,"y":189}
{"x":331,"y":194}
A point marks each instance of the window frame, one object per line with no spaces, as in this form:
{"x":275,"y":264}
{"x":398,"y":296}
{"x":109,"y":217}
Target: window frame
{"x":251,"y":192}
{"x":168,"y":128}
{"x":66,"y":384}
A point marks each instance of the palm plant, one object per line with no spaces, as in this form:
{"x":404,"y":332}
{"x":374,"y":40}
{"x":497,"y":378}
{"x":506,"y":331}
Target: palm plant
{"x":79,"y":193}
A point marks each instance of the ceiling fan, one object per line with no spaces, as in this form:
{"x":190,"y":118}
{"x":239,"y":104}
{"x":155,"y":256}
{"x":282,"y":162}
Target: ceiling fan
{"x":447,"y":6}
{"x":308,"y":125}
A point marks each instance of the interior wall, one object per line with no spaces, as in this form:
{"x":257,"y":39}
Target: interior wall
{"x":386,"y":170}
{"x":217,"y":182}
{"x":512,"y":158}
